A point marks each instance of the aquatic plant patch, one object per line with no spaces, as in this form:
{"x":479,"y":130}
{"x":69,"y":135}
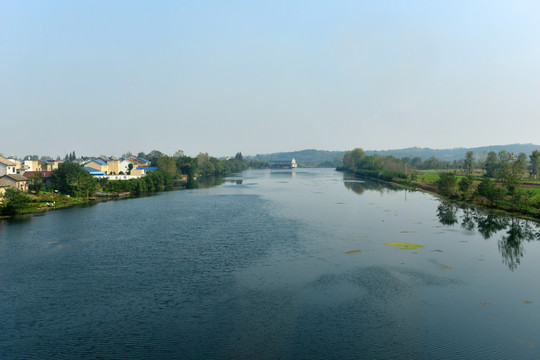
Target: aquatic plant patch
{"x":404,"y":246}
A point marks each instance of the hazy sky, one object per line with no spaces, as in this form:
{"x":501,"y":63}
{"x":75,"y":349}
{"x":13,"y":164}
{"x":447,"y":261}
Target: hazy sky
{"x":107,"y":77}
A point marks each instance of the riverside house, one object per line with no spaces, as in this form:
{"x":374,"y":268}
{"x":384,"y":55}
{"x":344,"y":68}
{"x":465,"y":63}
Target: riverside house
{"x":7,"y":167}
{"x":16,"y":181}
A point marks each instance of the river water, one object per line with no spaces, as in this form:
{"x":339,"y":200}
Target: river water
{"x":270,"y":265}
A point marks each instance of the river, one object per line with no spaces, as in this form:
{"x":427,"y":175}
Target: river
{"x":270,"y":264}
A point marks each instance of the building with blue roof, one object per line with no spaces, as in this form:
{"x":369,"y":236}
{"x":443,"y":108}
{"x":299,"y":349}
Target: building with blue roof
{"x":93,"y":171}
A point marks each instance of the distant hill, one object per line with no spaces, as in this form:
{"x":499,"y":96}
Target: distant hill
{"x":308,"y":157}
{"x":312,"y":157}
{"x":456,"y":153}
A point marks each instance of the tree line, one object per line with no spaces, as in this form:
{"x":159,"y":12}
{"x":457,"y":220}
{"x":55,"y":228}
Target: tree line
{"x":494,"y":164}
{"x":71,"y":179}
{"x":497,"y":179}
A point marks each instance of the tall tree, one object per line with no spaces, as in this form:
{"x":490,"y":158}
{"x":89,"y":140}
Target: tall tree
{"x":535,"y":163}
{"x":446,"y":183}
{"x":71,"y":179}
{"x":153,"y":155}
{"x":510,"y":171}
{"x":523,"y":161}
{"x":352,"y":160}
{"x":469,"y":162}
{"x":491,"y":164}
{"x":36,"y":182}
{"x":186,"y":165}
{"x":178,"y":154}
{"x":206,"y":167}
{"x":167,"y":164}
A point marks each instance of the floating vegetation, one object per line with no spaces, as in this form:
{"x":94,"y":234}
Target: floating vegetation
{"x":353,"y":252}
{"x":439,"y":232}
{"x":463,"y":241}
{"x":527,"y":302}
{"x":405,"y":246}
{"x":407,"y":232}
{"x":525,"y":343}
{"x":437,"y":250}
{"x":340,"y":203}
{"x":362,"y":236}
{"x":480,"y":259}
{"x":446,"y":268}
{"x":487,"y":304}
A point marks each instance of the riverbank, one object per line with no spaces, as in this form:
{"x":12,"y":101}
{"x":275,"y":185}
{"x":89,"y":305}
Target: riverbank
{"x":508,"y":205}
{"x":47,"y":201}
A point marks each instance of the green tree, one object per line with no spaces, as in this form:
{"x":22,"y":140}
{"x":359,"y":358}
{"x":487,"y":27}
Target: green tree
{"x":178,"y":153}
{"x":167,"y":164}
{"x":523,"y":162}
{"x":469,"y":162}
{"x":491,"y":164}
{"x":465,"y":185}
{"x":352,"y":160}
{"x":510,"y":171}
{"x":186,"y":165}
{"x":153,"y":155}
{"x":13,"y":201}
{"x":535,"y":163}
{"x":205,"y":165}
{"x":71,"y":179}
{"x":489,"y":190}
{"x":446,"y":183}
{"x":36,"y":182}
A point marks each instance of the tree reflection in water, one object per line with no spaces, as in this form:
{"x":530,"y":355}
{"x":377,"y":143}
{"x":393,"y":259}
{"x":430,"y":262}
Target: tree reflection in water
{"x":510,"y":244}
{"x":447,"y":213}
{"x":358,"y":185}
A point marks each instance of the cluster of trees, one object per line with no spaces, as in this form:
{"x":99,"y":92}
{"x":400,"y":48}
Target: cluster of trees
{"x":153,"y":181}
{"x":71,"y":179}
{"x":503,"y":174}
{"x":357,"y":161}
{"x":193,"y":167}
{"x":489,"y":162}
{"x":13,"y":201}
{"x":383,"y":167}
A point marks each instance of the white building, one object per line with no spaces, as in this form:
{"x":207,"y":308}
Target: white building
{"x":7,"y":167}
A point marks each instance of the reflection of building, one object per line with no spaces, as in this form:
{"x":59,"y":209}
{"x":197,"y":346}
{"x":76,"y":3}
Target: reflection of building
{"x":282,"y":163}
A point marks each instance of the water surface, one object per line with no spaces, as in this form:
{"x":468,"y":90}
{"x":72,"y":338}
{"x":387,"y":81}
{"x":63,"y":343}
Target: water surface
{"x":270,"y":264}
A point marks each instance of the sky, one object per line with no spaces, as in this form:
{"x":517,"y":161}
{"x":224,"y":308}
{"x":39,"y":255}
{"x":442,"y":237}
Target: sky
{"x":110,"y":77}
